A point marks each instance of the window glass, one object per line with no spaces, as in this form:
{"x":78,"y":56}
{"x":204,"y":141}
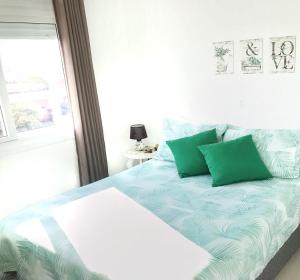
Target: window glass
{"x":35,"y":83}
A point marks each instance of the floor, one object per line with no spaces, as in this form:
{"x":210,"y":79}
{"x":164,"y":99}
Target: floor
{"x":292,"y":270}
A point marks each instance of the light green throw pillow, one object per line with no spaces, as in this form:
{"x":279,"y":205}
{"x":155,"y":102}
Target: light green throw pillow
{"x":234,"y":161}
{"x":189,"y":160}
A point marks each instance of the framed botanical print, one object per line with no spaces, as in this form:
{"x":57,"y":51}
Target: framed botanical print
{"x":223,"y":54}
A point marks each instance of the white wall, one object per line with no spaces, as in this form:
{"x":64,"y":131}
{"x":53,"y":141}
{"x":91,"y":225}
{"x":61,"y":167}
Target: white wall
{"x":31,"y":174}
{"x":155,"y":58}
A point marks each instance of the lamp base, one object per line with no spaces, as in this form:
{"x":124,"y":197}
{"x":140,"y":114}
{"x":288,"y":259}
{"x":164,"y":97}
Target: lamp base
{"x":139,"y":145}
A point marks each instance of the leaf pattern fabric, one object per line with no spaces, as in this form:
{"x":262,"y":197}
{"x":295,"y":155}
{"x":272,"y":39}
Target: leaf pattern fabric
{"x":241,"y":225}
{"x":34,"y":262}
{"x":279,"y":149}
{"x":174,"y":129}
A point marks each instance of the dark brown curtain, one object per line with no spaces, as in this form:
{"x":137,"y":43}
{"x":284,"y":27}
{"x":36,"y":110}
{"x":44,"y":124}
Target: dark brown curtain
{"x":75,"y":46}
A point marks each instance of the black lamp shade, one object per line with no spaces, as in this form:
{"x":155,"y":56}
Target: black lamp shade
{"x":138,"y":132}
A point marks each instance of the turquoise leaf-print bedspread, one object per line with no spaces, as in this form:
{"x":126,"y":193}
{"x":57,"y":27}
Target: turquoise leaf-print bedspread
{"x":241,"y":225}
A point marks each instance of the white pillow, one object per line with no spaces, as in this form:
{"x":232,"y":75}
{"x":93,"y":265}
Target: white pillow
{"x":278,"y":148}
{"x":174,"y":129}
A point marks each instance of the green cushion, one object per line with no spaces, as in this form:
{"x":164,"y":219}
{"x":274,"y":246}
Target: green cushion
{"x":234,"y":161}
{"x":189,"y":160}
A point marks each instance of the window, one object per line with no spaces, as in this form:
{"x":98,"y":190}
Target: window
{"x":2,"y":126}
{"x":33,"y":95}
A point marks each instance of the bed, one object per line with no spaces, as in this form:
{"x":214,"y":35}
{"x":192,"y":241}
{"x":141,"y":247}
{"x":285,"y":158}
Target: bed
{"x":241,"y":226}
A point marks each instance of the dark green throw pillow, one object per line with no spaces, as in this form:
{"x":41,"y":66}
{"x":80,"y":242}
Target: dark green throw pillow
{"x":189,"y":160}
{"x":234,"y":161}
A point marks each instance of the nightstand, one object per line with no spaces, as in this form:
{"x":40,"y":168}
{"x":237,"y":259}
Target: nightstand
{"x":137,"y":157}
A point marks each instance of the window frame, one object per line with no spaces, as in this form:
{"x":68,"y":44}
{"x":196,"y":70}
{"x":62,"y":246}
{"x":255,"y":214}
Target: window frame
{"x":15,"y":142}
{"x":28,"y":139}
{"x":8,"y":121}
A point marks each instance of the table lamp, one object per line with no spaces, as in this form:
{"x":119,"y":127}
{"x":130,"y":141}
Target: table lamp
{"x":138,"y":133}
